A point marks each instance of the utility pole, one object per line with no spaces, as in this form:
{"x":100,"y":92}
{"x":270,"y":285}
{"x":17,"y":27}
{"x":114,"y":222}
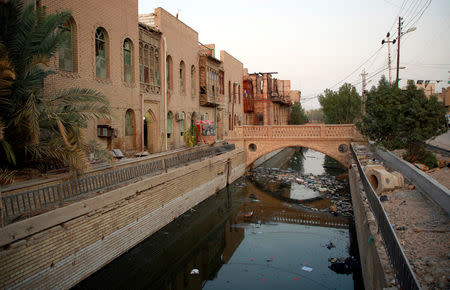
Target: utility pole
{"x":363,"y":75}
{"x":398,"y":47}
{"x":389,"y":54}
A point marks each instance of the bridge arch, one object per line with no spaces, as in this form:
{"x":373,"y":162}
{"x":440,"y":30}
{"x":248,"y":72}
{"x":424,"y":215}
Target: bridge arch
{"x":331,"y":140}
{"x":257,"y":149}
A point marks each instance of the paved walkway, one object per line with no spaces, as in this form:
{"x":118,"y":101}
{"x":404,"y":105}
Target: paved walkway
{"x":442,"y":141}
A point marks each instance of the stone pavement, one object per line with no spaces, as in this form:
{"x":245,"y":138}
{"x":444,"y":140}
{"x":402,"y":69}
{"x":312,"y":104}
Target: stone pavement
{"x":442,"y":141}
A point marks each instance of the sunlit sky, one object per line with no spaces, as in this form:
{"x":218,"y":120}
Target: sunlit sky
{"x":317,"y":44}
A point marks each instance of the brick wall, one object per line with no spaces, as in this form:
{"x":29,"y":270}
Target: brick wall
{"x":68,"y":244}
{"x":119,"y":19}
{"x":234,"y":72}
{"x":182,"y":45}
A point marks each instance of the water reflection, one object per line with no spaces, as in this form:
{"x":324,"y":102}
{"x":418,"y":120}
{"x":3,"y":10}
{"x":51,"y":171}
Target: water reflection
{"x":241,"y":238}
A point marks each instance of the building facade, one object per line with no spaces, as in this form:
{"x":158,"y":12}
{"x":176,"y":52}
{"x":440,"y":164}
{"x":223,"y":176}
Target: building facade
{"x":271,"y":99}
{"x":233,"y":113}
{"x":102,"y":54}
{"x":444,"y":98}
{"x":151,"y":88}
{"x":158,"y":78}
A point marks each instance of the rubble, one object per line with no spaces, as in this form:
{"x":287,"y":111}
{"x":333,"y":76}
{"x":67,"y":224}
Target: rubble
{"x":328,"y":187}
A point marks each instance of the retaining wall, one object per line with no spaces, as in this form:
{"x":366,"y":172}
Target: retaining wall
{"x":375,"y":263}
{"x":430,"y":187}
{"x":59,"y":248}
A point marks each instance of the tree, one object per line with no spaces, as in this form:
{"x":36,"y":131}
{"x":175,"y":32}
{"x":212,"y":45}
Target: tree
{"x":42,"y":127}
{"x":298,"y":116}
{"x":341,"y":107}
{"x":382,"y":120}
{"x":315,"y":115}
{"x":403,"y":119}
{"x":421,"y":119}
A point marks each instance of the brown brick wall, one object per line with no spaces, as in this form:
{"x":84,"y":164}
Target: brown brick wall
{"x":88,"y":16}
{"x":68,"y":251}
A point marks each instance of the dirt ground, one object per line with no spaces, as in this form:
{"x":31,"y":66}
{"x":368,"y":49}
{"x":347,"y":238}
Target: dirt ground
{"x":423,"y":230}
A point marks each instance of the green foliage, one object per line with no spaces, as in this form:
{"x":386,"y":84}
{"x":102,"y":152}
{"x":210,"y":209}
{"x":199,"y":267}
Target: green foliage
{"x":41,"y":127}
{"x":315,"y":115}
{"x":341,"y":107}
{"x":382,"y":119}
{"x":421,"y":155}
{"x":298,"y":116}
{"x":402,"y":118}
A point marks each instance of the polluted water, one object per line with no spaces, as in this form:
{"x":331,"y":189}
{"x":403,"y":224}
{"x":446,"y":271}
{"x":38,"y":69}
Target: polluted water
{"x":264,"y":231}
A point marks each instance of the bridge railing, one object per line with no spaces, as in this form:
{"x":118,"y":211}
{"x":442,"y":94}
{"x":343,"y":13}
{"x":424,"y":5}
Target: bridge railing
{"x":316,"y":131}
{"x":403,"y":272}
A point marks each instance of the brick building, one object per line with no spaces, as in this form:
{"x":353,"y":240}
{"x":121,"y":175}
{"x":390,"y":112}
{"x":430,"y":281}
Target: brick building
{"x":270,"y":101}
{"x":249,"y":102}
{"x":444,"y":98}
{"x":102,"y":54}
{"x":158,"y":78}
{"x":180,"y":70}
{"x":151,"y":88}
{"x":233,"y":103}
{"x":211,"y":93}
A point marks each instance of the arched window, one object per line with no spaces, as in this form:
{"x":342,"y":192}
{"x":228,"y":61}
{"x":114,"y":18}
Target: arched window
{"x":127,"y":61}
{"x":66,"y":48}
{"x":169,"y":82}
{"x":239,"y":92}
{"x":129,"y":122}
{"x":182,"y":77}
{"x":192,"y":81}
{"x":169,"y":124}
{"x":101,"y":54}
{"x":182,"y":124}
{"x":229,"y":91}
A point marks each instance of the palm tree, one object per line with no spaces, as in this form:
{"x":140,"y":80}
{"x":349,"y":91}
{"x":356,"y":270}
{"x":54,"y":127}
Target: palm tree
{"x":42,"y":128}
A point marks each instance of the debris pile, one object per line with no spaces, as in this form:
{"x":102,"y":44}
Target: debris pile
{"x":328,"y":186}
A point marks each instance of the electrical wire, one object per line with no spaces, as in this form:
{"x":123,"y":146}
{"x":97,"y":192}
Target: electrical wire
{"x":422,"y":11}
{"x":375,"y":53}
{"x":398,"y":14}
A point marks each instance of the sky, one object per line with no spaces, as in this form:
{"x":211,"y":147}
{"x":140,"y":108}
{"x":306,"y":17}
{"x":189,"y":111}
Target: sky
{"x":319,"y":44}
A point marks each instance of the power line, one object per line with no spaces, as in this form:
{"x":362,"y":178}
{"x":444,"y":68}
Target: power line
{"x":398,"y":14}
{"x":375,"y":53}
{"x":424,"y":8}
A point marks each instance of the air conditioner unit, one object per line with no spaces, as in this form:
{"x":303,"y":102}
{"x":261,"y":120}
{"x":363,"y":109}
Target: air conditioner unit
{"x":179,"y":116}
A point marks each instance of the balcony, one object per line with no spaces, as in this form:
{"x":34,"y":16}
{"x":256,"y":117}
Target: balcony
{"x":249,"y":105}
{"x":209,"y":100}
{"x":282,"y":100}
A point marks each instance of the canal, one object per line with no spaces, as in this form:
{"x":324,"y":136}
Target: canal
{"x":259,"y":232}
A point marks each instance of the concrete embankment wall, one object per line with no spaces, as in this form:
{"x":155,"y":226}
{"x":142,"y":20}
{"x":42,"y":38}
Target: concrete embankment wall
{"x":276,"y":158}
{"x":59,"y":248}
{"x":375,"y":263}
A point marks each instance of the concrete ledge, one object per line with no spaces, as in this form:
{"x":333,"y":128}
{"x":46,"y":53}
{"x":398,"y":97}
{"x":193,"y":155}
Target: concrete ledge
{"x":375,"y":263}
{"x":30,"y":226}
{"x":429,"y":186}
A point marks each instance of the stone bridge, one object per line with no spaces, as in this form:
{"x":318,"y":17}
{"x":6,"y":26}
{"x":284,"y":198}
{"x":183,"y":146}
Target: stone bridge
{"x":332,"y":140}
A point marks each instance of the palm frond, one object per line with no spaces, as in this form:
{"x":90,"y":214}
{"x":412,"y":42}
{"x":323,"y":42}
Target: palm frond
{"x":7,"y":175}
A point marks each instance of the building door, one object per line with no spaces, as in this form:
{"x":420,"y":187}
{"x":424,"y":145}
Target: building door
{"x":151,"y":136}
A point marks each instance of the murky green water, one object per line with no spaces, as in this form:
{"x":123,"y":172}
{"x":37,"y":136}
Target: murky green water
{"x":240,"y":238}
